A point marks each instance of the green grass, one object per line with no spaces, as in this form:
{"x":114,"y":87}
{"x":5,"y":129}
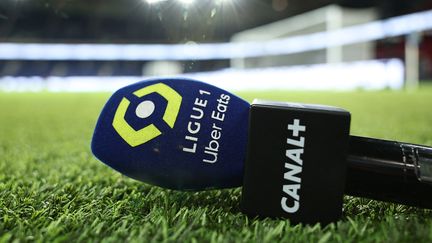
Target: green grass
{"x":53,"y":190}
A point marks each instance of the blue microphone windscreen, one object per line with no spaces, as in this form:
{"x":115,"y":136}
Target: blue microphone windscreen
{"x":174,"y":133}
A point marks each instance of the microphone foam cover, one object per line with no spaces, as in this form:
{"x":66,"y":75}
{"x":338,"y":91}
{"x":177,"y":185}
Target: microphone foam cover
{"x":174,"y":133}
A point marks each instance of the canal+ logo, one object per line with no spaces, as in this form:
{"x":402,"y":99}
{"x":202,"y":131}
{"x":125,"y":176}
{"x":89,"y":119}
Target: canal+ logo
{"x":144,"y":110}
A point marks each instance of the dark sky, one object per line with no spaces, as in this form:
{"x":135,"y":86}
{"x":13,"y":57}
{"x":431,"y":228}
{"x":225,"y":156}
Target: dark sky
{"x":166,"y":22}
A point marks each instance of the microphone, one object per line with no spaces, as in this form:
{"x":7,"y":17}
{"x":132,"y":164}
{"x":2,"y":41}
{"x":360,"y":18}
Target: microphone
{"x":174,"y":133}
{"x":389,"y":171}
{"x":188,"y":135}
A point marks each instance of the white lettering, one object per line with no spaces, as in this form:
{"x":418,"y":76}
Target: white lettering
{"x":293,"y":170}
{"x":294,"y":155}
{"x":292,"y":174}
{"x":288,"y":209}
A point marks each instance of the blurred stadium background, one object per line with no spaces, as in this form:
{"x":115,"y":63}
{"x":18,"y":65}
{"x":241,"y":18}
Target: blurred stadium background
{"x":60,"y":59}
{"x":235,"y":44}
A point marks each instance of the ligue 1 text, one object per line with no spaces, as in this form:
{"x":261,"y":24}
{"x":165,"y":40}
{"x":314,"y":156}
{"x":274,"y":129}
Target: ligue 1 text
{"x":217,"y":114}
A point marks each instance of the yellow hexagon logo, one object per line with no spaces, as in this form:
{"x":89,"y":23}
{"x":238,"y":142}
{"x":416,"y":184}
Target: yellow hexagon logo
{"x":137,"y":137}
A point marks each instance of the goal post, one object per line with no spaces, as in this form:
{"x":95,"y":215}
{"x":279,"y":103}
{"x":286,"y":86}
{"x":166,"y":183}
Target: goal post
{"x":329,"y":18}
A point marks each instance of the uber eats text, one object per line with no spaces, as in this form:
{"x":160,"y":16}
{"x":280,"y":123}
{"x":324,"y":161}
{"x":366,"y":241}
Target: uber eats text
{"x":217,"y":115}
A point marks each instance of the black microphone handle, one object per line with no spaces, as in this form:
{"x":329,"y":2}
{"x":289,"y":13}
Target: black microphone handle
{"x":389,"y":171}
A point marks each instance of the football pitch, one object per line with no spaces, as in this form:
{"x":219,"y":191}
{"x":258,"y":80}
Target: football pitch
{"x":53,"y":190}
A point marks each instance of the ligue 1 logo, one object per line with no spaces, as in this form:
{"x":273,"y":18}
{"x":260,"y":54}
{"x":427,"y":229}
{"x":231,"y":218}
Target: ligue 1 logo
{"x":144,"y":110}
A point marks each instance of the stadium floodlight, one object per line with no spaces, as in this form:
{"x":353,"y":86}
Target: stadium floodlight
{"x":375,"y":30}
{"x":153,"y":1}
{"x":365,"y":75}
{"x":186,"y":2}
